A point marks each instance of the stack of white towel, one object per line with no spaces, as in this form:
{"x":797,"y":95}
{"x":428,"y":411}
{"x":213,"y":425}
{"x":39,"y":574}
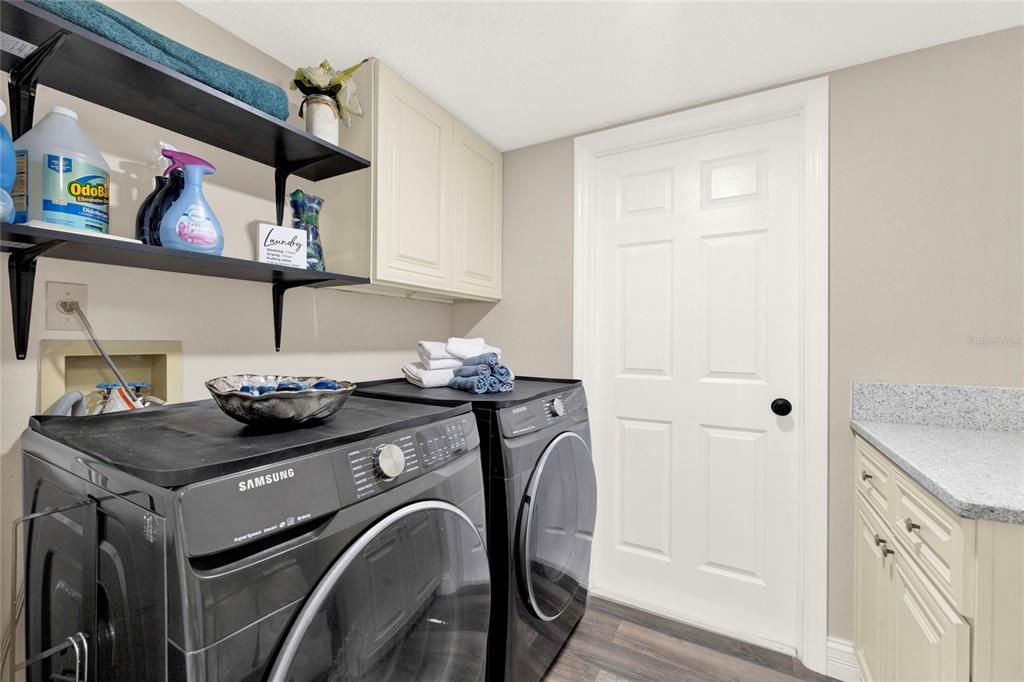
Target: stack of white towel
{"x":439,"y":359}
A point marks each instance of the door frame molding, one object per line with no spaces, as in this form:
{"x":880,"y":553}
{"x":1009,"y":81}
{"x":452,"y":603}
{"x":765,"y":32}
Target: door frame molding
{"x":810,"y":100}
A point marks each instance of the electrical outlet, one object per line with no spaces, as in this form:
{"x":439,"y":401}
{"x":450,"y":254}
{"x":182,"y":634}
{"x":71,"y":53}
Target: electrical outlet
{"x":56,"y":319}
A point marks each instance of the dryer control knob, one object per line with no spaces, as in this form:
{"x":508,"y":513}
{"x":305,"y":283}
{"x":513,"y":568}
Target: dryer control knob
{"x":389,"y":461}
{"x":557,"y":407}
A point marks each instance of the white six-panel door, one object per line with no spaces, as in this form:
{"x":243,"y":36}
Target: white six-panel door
{"x":698,"y":309}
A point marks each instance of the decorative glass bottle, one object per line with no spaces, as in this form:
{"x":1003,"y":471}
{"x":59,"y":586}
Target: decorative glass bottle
{"x":306,"y":217}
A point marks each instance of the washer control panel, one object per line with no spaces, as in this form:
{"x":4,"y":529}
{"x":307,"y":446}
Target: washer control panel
{"x":541,"y":413}
{"x":376,"y":465}
{"x":279,"y":497}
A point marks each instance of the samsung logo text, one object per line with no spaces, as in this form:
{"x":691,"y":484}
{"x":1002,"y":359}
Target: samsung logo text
{"x":265,"y":479}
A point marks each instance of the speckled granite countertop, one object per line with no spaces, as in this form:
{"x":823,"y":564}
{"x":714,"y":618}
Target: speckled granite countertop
{"x":979,"y":474}
{"x":964,"y":444}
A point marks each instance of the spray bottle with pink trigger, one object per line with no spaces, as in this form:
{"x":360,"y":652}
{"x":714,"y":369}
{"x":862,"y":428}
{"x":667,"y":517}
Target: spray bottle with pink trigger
{"x":189,"y":223}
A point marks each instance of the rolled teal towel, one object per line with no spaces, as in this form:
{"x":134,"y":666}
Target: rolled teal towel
{"x":506,"y":387}
{"x":493,"y":384}
{"x":476,"y":385}
{"x":502,"y":372}
{"x":489,"y":359}
{"x":473,"y":371}
{"x":141,"y":39}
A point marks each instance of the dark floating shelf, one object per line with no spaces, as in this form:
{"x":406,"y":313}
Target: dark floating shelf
{"x":92,"y":68}
{"x":107,"y":251}
{"x":26,"y":244}
{"x":80,"y":63}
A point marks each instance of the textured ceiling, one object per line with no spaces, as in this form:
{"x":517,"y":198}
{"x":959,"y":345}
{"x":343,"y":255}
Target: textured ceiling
{"x":521,"y":73}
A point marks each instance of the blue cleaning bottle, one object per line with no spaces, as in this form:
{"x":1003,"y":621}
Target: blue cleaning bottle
{"x":189,"y":223}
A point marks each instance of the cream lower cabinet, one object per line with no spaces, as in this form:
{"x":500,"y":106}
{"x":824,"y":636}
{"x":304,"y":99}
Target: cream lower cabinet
{"x":426,"y":217}
{"x":926,"y":639}
{"x":937,"y":597}
{"x":871,"y":579}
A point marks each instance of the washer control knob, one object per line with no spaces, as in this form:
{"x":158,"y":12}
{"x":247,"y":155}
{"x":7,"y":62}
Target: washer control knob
{"x":557,"y":407}
{"x":388,"y":461}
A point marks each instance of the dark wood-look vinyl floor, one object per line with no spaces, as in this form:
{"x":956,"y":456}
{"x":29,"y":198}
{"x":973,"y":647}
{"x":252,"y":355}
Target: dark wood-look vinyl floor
{"x":615,"y":642}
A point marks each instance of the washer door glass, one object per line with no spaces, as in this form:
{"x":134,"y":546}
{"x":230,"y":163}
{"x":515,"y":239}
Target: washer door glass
{"x":410,"y":599}
{"x":556,"y":526}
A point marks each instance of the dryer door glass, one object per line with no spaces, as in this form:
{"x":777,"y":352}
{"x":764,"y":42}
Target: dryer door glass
{"x":409,"y":599}
{"x":556,"y":526}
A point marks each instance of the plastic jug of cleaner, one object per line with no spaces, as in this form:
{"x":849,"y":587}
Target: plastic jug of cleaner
{"x":189,"y":223}
{"x":7,"y":172}
{"x":61,"y":177}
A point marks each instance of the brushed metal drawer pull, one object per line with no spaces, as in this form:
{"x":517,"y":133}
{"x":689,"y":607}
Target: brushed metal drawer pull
{"x":911,"y":526}
{"x":879,"y":540}
{"x":886,"y":552}
{"x":865,"y":476}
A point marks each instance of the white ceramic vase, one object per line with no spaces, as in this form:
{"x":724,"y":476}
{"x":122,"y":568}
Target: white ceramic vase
{"x":321,"y":116}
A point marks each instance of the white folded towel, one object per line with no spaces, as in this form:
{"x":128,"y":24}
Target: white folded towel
{"x":451,"y":363}
{"x":468,"y":348}
{"x":434,"y":356}
{"x":434,"y":350}
{"x":416,"y":373}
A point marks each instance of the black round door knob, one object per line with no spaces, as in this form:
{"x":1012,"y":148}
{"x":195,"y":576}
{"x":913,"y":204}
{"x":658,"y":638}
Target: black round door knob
{"x":782,"y":407}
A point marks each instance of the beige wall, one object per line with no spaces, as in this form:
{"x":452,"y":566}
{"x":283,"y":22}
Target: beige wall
{"x":926,"y":249}
{"x":225,"y":326}
{"x":533,"y":321}
{"x":926,"y":252}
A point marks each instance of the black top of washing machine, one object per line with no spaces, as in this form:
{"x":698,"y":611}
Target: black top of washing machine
{"x":181,"y":444}
{"x":526,"y":389}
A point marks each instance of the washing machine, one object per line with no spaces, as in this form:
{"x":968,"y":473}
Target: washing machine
{"x":541,"y":509}
{"x":174,"y":543}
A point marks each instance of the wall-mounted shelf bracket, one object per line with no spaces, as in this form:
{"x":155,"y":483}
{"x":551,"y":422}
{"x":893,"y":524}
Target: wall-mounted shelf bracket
{"x":21,"y":267}
{"x":24,"y":78}
{"x":278,"y":292}
{"x":281,"y":174}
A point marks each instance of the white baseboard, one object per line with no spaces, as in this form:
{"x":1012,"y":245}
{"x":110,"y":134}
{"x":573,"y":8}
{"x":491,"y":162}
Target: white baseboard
{"x":840,"y":661}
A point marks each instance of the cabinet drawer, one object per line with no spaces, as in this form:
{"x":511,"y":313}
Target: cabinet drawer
{"x":874,"y":476}
{"x":938,"y":539}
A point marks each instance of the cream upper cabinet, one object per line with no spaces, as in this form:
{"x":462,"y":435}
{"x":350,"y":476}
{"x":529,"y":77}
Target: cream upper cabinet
{"x":937,"y":597}
{"x":425,"y":218}
{"x":414,"y":236}
{"x":476,"y":209}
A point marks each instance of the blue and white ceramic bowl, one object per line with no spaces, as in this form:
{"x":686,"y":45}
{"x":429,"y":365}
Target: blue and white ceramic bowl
{"x":273,"y":400}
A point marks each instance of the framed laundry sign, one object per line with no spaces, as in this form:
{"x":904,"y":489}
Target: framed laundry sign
{"x":280,"y":245}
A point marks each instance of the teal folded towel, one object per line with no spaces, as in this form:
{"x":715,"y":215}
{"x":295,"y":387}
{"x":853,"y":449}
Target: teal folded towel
{"x":473,"y":371}
{"x":143,"y":40}
{"x":502,"y":372}
{"x":476,"y":385}
{"x":493,"y":384}
{"x":490,"y":359}
{"x":506,"y":387}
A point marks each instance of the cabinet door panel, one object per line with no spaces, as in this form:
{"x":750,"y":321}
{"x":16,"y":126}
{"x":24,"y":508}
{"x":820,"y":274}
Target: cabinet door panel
{"x":869,"y":594}
{"x":477,"y":215}
{"x":929,"y":641}
{"x":413,"y":222}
